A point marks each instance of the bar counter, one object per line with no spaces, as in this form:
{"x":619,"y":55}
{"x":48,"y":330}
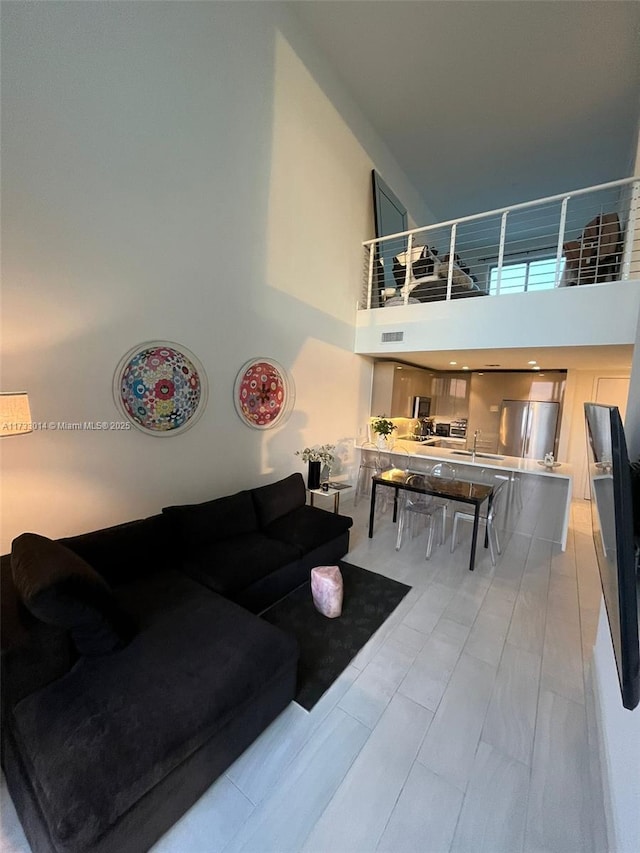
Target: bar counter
{"x":514,"y":465}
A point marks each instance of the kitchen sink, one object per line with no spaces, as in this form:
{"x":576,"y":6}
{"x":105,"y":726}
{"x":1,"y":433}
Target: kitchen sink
{"x":477,"y":455}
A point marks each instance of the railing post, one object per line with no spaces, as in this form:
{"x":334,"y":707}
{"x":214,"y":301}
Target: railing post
{"x":503,"y":236}
{"x":372,"y":251}
{"x":452,"y":250}
{"x":630,"y":236}
{"x":408,"y":270}
{"x":563,"y":223}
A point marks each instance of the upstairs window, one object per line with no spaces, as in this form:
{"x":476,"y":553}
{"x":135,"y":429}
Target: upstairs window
{"x":526,"y":275}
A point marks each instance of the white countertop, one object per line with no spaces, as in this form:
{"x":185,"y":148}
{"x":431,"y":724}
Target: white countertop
{"x":507,"y":463}
{"x":435,"y":439}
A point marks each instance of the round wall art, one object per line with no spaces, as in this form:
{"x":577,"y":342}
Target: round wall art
{"x":263,"y":393}
{"x":161,"y":387}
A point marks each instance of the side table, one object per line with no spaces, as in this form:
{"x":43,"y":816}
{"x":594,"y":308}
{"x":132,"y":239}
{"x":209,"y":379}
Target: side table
{"x":334,"y":491}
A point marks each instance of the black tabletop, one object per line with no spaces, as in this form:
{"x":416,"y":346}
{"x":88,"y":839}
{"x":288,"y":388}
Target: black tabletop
{"x":437,"y":486}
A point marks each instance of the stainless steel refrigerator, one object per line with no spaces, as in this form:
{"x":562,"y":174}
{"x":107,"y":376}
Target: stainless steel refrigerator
{"x":528,"y":428}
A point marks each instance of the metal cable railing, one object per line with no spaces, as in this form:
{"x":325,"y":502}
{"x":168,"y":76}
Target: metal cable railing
{"x":588,"y":236}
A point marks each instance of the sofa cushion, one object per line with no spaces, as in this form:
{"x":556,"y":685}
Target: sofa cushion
{"x":125,"y":551}
{"x":222,"y":518}
{"x":308,"y":527}
{"x":277,"y":499}
{"x":97,"y":740}
{"x":234,"y":564}
{"x":60,"y":588}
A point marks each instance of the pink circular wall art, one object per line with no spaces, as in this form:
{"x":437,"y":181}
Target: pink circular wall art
{"x":263,"y":393}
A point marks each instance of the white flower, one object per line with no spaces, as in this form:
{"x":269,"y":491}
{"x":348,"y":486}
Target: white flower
{"x":324,"y":453}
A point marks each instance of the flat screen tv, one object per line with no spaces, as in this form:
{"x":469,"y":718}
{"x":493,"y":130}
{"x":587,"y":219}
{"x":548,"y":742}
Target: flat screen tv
{"x":612,"y":513}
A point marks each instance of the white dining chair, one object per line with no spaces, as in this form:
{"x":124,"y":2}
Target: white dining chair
{"x":489,"y":519}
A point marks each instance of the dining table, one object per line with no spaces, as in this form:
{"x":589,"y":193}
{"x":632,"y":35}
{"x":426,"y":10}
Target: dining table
{"x":462,"y":491}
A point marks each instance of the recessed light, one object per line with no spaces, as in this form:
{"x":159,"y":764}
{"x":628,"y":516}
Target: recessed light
{"x":453,"y":362}
{"x":535,"y":368}
{"x":532,"y":362}
{"x":465,"y":367}
{"x":480,"y":374}
{"x":492,"y":365}
{"x":398,"y":368}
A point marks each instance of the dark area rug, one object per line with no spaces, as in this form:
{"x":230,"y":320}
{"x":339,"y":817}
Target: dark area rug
{"x":327,"y":646}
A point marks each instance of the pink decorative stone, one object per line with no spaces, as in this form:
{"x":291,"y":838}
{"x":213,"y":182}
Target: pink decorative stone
{"x":326,"y":589}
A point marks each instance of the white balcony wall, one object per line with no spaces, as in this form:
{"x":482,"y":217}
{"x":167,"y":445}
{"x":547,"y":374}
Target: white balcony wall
{"x":592,"y":315}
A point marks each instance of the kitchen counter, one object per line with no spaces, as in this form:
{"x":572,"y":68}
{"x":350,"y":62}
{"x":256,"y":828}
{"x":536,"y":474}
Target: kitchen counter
{"x":434,"y":440}
{"x":513,"y":464}
{"x":483,"y":460}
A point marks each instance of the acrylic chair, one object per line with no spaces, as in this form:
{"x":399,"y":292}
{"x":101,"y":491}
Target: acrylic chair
{"x":489,"y":519}
{"x":414,"y":505}
{"x":372,"y":463}
{"x":445,"y":471}
{"x":400,"y":458}
{"x":369,"y":467}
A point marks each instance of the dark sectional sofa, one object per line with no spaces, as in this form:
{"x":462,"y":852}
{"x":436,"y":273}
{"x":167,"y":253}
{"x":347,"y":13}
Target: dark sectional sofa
{"x":133,"y":670}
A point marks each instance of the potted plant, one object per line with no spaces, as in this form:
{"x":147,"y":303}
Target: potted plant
{"x":316,"y":457}
{"x":383,"y":428}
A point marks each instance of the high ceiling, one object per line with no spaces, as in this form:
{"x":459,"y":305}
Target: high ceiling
{"x":487,"y":103}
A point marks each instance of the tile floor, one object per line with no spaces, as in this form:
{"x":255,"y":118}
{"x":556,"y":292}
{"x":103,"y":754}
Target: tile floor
{"x":463,"y":725}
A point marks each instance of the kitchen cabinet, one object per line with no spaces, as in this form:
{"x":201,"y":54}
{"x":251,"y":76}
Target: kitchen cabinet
{"x":394,"y":387}
{"x":451,"y":395}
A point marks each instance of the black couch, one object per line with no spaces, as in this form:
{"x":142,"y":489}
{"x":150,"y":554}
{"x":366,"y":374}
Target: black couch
{"x":133,"y":671}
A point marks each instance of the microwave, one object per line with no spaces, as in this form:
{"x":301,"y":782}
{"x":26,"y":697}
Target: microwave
{"x":421,"y":407}
{"x":443,"y":429}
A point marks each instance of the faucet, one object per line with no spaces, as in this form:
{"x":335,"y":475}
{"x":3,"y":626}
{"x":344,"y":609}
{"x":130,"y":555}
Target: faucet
{"x":476,"y":435}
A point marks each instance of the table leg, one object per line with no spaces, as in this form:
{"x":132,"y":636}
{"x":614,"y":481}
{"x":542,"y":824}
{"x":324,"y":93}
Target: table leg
{"x":372,"y":511}
{"x":486,"y":532}
{"x":395,"y":505}
{"x":474,"y":536}
{"x":336,"y":503}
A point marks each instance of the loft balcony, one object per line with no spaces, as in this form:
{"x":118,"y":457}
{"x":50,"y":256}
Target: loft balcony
{"x":562,"y":271}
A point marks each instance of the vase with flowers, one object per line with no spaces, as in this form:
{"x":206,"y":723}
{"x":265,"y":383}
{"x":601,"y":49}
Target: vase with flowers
{"x":316,"y":457}
{"x":383,"y":429}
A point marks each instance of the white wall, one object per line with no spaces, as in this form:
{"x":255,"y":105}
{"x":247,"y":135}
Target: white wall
{"x":620,"y":748}
{"x":619,"y":728}
{"x":581,"y":388}
{"x":174,"y":171}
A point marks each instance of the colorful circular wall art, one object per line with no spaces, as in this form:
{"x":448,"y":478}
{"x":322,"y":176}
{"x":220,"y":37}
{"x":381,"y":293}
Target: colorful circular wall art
{"x":263,"y":393}
{"x":160,"y":387}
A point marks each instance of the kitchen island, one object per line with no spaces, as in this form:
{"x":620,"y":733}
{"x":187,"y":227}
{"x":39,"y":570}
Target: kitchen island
{"x":559,"y":479}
